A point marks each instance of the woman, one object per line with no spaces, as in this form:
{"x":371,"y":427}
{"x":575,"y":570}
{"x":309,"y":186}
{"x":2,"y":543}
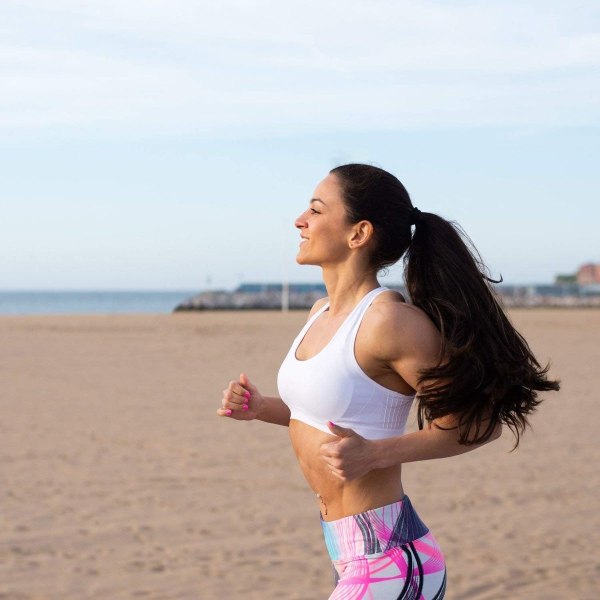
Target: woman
{"x":352,"y":373}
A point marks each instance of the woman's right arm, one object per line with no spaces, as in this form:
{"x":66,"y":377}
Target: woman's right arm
{"x":274,"y":410}
{"x":243,"y":402}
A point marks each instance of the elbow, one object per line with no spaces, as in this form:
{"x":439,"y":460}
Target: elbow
{"x":485,"y":438}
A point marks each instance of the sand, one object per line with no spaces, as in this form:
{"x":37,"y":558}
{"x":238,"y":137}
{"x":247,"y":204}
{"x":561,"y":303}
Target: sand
{"x":119,"y":482}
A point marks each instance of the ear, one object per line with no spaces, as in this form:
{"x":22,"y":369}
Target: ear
{"x":362,"y":232}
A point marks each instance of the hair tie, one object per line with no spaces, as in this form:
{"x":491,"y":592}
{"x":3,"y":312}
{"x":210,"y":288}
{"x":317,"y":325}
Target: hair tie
{"x":414,"y":215}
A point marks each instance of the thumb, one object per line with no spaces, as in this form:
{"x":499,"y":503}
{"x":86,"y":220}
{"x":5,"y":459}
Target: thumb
{"x":246,"y":383}
{"x":340,"y":431}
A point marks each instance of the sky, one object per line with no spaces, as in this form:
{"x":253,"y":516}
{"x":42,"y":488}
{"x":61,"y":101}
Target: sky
{"x":169,"y":145}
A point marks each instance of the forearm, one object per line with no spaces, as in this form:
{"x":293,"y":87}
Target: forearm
{"x":274,"y":410}
{"x":425,"y":444}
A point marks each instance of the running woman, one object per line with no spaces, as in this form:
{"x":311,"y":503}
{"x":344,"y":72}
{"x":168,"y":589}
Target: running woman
{"x":351,"y":375}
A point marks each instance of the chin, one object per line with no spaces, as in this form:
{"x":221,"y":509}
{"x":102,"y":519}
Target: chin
{"x":301,"y":260}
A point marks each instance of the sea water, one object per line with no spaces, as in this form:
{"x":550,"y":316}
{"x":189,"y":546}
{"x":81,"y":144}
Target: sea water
{"x":90,"y":302}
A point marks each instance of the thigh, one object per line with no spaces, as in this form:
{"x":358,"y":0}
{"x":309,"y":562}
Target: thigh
{"x":414,"y":571}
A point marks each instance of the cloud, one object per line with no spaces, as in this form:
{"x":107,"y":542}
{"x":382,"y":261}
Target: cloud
{"x":157,"y":67}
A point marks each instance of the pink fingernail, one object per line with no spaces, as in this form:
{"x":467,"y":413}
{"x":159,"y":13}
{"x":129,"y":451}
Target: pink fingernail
{"x":247,"y":394}
{"x":245,"y":407}
{"x":228,"y":412}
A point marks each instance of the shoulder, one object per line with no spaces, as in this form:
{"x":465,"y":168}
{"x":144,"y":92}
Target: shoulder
{"x":390,"y":311}
{"x":320,"y":303}
{"x":395,"y":328}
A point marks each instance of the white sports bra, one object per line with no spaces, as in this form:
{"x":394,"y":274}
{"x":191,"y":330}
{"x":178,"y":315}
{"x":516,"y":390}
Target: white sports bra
{"x":331,"y":386}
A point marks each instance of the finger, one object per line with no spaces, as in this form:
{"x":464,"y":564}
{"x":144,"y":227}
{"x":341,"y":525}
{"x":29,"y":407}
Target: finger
{"x":338,"y":474}
{"x":333,"y":462}
{"x":229,"y":398}
{"x":237,"y":397}
{"x":245,"y":382}
{"x":329,"y":450}
{"x":237,"y":390}
{"x":340,"y":431}
{"x":224,"y":412}
{"x":227,"y":405}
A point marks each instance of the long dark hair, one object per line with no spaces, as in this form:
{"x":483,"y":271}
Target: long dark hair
{"x":486,"y":371}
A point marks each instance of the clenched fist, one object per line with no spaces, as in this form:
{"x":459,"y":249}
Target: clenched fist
{"x":241,"y":400}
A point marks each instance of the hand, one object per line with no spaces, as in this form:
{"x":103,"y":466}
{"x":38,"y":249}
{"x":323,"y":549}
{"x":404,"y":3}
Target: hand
{"x":350,"y":456}
{"x":241,"y":400}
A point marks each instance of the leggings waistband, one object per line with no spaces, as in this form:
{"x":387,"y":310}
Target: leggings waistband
{"x":373,"y":531}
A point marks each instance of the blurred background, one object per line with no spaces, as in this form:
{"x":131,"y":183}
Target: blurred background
{"x":169,"y":146}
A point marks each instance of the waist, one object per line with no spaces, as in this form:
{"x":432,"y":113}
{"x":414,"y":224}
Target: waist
{"x":373,"y":531}
{"x":337,"y":498}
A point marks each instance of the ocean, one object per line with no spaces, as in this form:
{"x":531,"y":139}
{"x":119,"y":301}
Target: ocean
{"x":80,"y":302}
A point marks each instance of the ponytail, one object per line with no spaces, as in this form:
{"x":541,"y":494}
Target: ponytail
{"x":486,"y":372}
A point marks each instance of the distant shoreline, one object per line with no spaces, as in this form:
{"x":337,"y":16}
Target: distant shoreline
{"x":249,"y":297}
{"x":237,"y":311}
{"x":261,"y":296}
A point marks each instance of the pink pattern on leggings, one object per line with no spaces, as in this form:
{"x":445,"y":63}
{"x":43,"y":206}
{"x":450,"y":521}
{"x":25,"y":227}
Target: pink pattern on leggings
{"x":385,"y":553}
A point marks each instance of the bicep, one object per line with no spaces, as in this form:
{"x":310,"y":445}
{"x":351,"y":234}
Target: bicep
{"x":417,"y":349}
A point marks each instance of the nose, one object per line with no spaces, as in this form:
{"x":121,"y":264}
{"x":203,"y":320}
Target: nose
{"x":300,"y":222}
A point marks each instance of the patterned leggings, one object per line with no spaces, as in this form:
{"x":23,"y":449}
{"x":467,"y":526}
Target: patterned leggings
{"x":383,"y":554}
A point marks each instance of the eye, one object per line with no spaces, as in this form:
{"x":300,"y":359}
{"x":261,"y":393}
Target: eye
{"x":314,"y":212}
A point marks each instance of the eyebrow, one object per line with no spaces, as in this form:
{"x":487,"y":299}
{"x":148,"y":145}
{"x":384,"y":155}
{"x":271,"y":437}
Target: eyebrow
{"x":318,"y":200}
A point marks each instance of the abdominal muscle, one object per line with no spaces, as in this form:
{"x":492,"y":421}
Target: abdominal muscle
{"x":337,"y":498}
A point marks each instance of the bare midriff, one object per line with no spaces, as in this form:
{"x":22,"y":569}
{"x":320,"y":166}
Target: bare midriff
{"x":337,"y":498}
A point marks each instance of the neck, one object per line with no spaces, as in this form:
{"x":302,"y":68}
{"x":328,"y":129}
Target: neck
{"x":346,"y":288}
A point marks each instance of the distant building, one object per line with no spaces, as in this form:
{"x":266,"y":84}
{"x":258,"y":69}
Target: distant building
{"x":565,"y":279}
{"x":588,"y":274}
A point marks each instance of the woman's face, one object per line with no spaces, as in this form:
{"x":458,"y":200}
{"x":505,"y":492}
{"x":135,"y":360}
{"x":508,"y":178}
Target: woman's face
{"x":323,"y":226}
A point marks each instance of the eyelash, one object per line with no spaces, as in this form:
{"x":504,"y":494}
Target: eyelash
{"x":314,"y":212}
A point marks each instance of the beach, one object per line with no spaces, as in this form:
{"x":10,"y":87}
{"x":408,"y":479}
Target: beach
{"x":120,"y":482}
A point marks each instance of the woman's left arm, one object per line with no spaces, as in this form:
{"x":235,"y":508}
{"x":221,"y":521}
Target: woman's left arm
{"x":417,"y":347}
{"x":352,"y":456}
{"x":414,"y":346}
{"x":425,"y":444}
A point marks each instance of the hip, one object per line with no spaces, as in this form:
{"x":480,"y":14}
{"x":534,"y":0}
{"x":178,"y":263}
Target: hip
{"x":388,"y":551}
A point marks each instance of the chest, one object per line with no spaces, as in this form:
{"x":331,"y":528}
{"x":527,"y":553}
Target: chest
{"x":319,"y":335}
{"x":327,"y":342}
